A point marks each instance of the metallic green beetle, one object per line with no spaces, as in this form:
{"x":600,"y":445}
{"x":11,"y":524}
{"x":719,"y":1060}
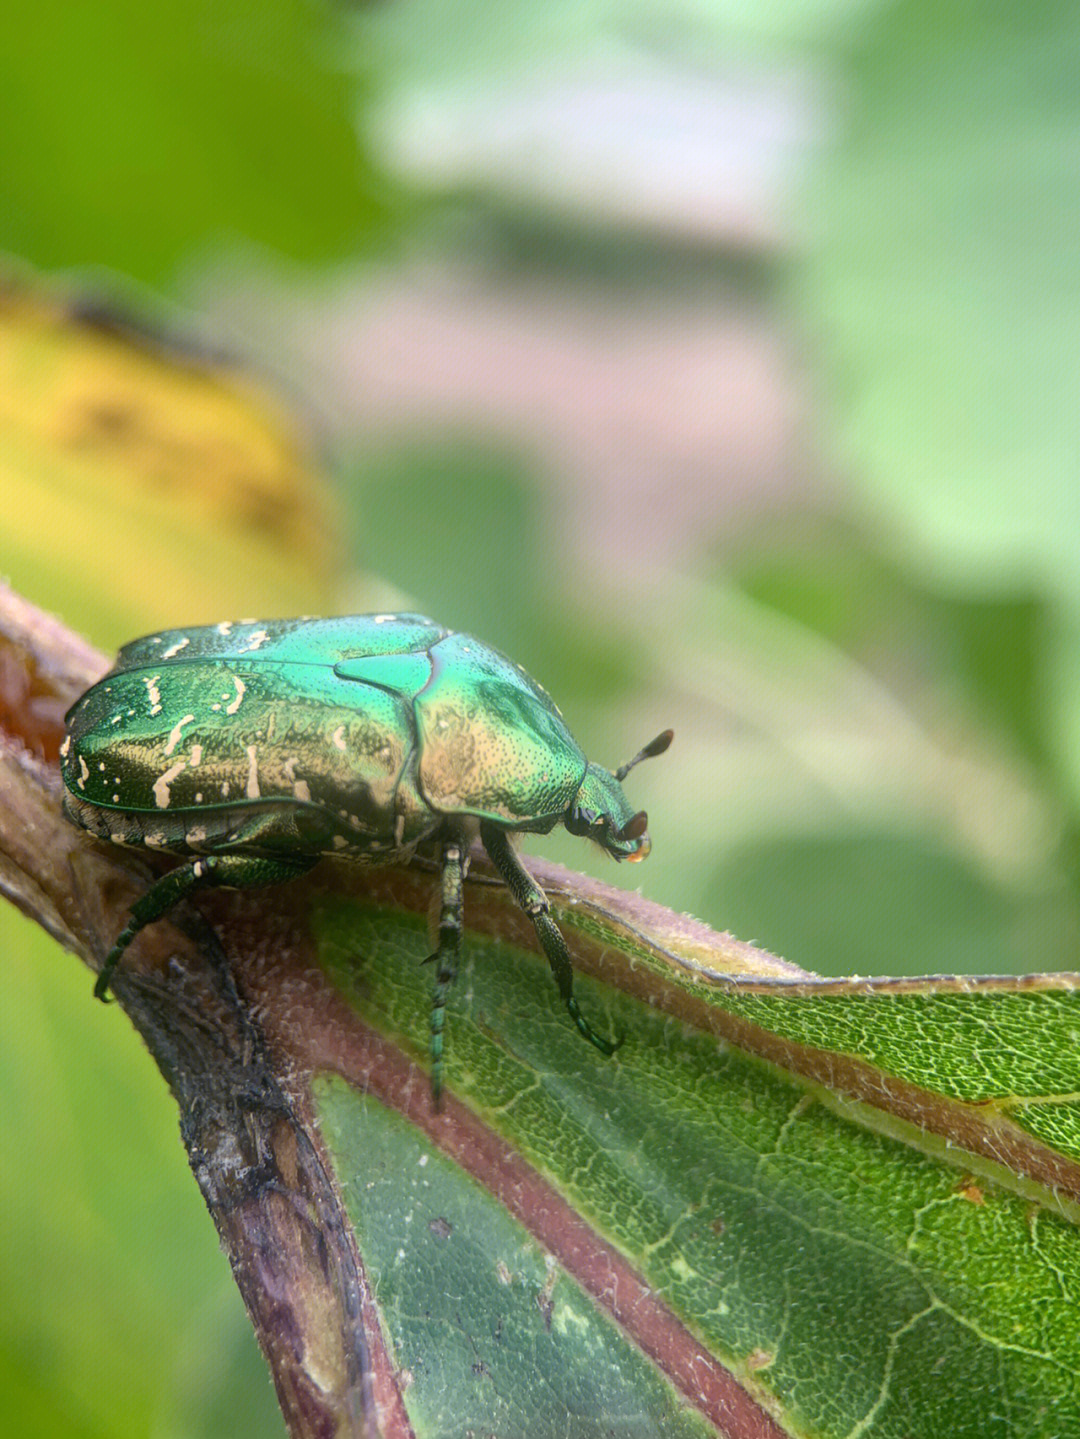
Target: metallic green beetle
{"x":255,"y":748}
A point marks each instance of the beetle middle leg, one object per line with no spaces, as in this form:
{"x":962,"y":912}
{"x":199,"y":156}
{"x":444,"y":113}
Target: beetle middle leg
{"x":232,"y":871}
{"x":446,"y":956}
{"x":534,"y":902}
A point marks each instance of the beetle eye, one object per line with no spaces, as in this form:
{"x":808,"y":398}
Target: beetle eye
{"x":581,"y":820}
{"x":634,"y":827}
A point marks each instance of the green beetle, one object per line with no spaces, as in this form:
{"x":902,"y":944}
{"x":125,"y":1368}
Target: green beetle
{"x":255,"y":748}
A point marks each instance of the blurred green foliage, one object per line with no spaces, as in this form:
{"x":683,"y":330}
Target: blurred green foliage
{"x":875,"y":683}
{"x":140,"y":139}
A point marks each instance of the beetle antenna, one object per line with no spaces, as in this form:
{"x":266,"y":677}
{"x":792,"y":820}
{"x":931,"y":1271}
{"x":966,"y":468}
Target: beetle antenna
{"x":651,"y":750}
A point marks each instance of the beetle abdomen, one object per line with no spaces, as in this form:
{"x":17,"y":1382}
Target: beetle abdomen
{"x":266,"y":829}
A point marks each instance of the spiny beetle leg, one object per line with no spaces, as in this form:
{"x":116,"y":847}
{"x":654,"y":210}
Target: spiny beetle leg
{"x":446,"y":957}
{"x":234,"y":871}
{"x":534,"y":902}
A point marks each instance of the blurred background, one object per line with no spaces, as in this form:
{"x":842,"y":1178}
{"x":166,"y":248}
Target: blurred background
{"x":718,"y":361}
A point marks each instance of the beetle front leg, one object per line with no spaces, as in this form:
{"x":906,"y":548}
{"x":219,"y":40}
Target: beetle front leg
{"x":233,"y":871}
{"x":534,"y":902}
{"x":446,"y":957}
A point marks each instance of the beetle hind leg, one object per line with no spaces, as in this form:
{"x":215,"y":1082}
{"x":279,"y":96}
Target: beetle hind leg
{"x":534,"y":902}
{"x":233,"y":871}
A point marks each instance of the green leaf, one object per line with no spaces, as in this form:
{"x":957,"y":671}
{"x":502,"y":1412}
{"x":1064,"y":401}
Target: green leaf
{"x":876,"y":1170}
{"x":494,"y":1336}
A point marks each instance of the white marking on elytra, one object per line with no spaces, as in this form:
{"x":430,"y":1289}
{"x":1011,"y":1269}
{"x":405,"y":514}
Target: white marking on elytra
{"x":300,"y":786}
{"x":384,"y":619}
{"x":157,"y":840}
{"x":162,"y":783}
{"x":196,"y":755}
{"x":230,"y":709}
{"x":255,"y":642}
{"x":340,"y":842}
{"x":84,"y":773}
{"x":101,"y":764}
{"x":253,"y":791}
{"x":175,"y":649}
{"x":65,"y":748}
{"x":196,"y":834}
{"x":153,"y":694}
{"x":118,"y":839}
{"x":176,"y":731}
{"x":116,"y":719}
{"x":271,"y":724}
{"x":224,"y":627}
{"x":225,"y":790}
{"x":198,"y":798}
{"x":337,"y":739}
{"x":116,"y":799}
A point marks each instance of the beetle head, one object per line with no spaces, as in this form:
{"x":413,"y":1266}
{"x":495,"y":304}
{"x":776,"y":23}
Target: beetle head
{"x":601,"y":811}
